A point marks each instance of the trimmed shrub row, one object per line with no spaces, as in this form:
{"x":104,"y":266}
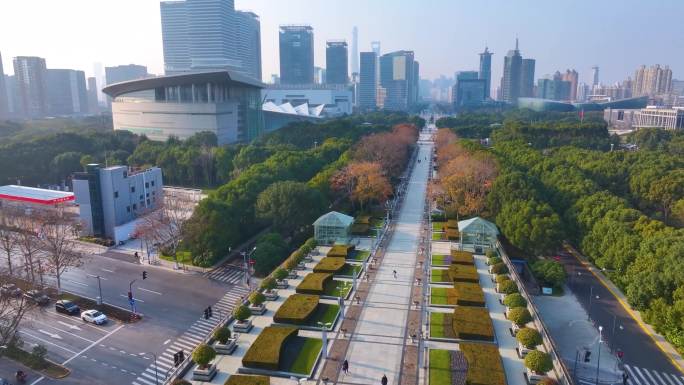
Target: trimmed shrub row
{"x":463,"y":273}
{"x":460,"y":257}
{"x":241,"y":379}
{"x":473,"y":323}
{"x":314,"y":283}
{"x":329,"y":265}
{"x":296,"y":309}
{"x":484,"y":364}
{"x":265,"y":350}
{"x":340,"y":251}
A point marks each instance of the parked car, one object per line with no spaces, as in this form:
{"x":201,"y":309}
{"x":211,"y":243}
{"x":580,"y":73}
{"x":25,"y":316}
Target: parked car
{"x":4,"y":381}
{"x":37,"y":297}
{"x":94,"y":316}
{"x":10,"y":289}
{"x":67,"y":307}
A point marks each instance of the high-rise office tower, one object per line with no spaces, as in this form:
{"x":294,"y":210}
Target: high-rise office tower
{"x":415,"y":89}
{"x":398,"y":79}
{"x":554,"y":87}
{"x":572,"y":77}
{"x":355,"y":51}
{"x":122,"y":73}
{"x":595,"y":76}
{"x":98,"y":72}
{"x":375,"y":47}
{"x":200,"y":35}
{"x":511,"y":82}
{"x":336,"y":56}
{"x":486,"y":70}
{"x":67,"y":95}
{"x":4,"y":96}
{"x":469,"y":89}
{"x":249,"y":43}
{"x":368,"y":81}
{"x":31,"y":82}
{"x":296,"y":54}
{"x":93,"y":106}
{"x":527,"y":78}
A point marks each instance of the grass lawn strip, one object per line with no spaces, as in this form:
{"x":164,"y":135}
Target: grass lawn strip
{"x":329,"y":265}
{"x":437,"y":325}
{"x":337,"y":288}
{"x":440,"y":367}
{"x":314,"y":283}
{"x":472,"y":323}
{"x":440,"y":276}
{"x":297,"y":309}
{"x":324,"y":313}
{"x":438,"y":226}
{"x":438,"y":236}
{"x":300,"y":354}
{"x":484,"y":364}
{"x":439,"y":296}
{"x":46,"y":367}
{"x":349,"y":270}
{"x":441,"y":260}
{"x":241,"y":379}
{"x":265,"y":351}
{"x":358,"y":255}
{"x":463,"y":273}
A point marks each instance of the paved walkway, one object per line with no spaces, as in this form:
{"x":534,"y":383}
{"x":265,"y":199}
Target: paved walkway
{"x":378,"y":344}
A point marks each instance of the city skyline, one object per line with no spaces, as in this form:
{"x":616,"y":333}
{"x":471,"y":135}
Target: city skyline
{"x":464,"y":28}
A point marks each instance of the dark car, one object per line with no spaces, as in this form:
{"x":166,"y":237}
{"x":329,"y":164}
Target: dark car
{"x":10,"y":290}
{"x":37,"y":296}
{"x":67,"y":307}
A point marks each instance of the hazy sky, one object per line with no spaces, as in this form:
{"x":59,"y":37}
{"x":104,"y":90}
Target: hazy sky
{"x":446,"y":35}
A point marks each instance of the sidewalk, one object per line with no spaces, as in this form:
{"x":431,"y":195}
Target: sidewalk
{"x":379,"y":341}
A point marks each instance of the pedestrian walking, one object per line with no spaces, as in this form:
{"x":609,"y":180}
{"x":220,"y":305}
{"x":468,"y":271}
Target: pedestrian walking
{"x":394,"y":272}
{"x":625,"y":377}
{"x":345,"y":367}
{"x":384,"y":380}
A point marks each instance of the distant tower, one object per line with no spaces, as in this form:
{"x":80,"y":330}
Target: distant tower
{"x":486,"y":70}
{"x":595,"y":76}
{"x":355,"y":51}
{"x":511,"y":81}
{"x":375,"y":46}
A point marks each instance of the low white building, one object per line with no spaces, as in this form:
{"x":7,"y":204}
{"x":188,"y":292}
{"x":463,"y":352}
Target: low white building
{"x":336,"y":100}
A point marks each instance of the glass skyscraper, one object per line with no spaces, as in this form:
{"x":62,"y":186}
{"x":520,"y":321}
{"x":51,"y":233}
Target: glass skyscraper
{"x":486,"y":70}
{"x":296,"y":54}
{"x":398,"y":76}
{"x":336,"y":62}
{"x":368,"y":81}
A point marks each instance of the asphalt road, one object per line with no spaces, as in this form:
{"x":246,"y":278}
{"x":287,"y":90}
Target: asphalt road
{"x":620,"y":330}
{"x":171,"y":301}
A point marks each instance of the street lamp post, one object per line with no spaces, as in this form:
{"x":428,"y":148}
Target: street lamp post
{"x":591,"y":296}
{"x":598,"y":362}
{"x":99,"y":288}
{"x":324,"y":331}
{"x":245,"y":257}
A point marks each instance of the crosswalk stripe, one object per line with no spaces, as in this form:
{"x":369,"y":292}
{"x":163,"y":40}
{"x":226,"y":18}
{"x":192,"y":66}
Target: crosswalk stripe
{"x":676,"y":378}
{"x":179,"y":346}
{"x":632,"y":375}
{"x":649,"y":375}
{"x":660,"y":378}
{"x":165,"y":360}
{"x":162,"y":365}
{"x":190,"y":340}
{"x":144,"y":381}
{"x":148,"y":375}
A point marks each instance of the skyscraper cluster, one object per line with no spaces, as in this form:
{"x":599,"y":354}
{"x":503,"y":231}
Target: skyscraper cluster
{"x":518,"y":76}
{"x":654,"y":80}
{"x":200,"y":35}
{"x":390,"y":81}
{"x":559,"y":86}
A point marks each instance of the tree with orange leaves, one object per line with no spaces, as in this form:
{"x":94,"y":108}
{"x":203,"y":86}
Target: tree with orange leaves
{"x":363,"y":182}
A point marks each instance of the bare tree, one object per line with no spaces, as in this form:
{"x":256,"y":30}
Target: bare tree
{"x":12,"y":311}
{"x":30,"y":246}
{"x":57,"y":241}
{"x":8,"y":235}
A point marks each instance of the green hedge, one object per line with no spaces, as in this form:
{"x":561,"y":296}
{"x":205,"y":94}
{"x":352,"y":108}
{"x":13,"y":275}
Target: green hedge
{"x":329,"y":265}
{"x":264,"y":353}
{"x":462,"y":257}
{"x":363,"y":219}
{"x":340,"y":251}
{"x":296,"y":309}
{"x":452,"y":224}
{"x":468,"y":294}
{"x":360,"y":228}
{"x":484,"y":364}
{"x":313,"y":283}
{"x":440,"y":367}
{"x":473,"y":323}
{"x":452,"y":234}
{"x":463,"y":273}
{"x":241,"y":379}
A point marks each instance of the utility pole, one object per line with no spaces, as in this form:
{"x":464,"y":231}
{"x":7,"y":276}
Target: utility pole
{"x":246,"y":257}
{"x":598,"y":362}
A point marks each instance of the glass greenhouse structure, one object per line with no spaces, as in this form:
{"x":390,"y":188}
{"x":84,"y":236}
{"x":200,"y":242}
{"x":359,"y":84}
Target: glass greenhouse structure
{"x":332,"y":228}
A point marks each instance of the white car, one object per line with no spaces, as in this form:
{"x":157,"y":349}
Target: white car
{"x":94,"y":316}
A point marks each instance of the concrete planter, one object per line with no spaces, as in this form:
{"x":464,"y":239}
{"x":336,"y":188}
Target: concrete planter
{"x":292,"y":274}
{"x":204,"y":375}
{"x":514,"y":328}
{"x":258,"y":309}
{"x":533,"y":377}
{"x":308,"y":258}
{"x":271,"y":295}
{"x":301,"y":266}
{"x":228,"y":348}
{"x":522,"y":350}
{"x":282,"y":284}
{"x":242,"y":326}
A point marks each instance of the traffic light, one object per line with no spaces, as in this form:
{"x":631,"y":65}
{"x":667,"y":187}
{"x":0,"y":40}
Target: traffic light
{"x":130,"y":296}
{"x":620,"y":353}
{"x":587,"y":355}
{"x":178,"y":358}
{"x":144,"y":275}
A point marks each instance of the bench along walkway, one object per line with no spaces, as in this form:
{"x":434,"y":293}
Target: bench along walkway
{"x":380,"y":336}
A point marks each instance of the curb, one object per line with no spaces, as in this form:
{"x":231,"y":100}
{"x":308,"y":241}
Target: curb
{"x":660,"y":341}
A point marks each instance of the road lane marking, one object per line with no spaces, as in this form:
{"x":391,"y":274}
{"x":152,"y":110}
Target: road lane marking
{"x":70,"y":326}
{"x":150,"y":291}
{"x":167,"y":341}
{"x":38,"y":380}
{"x":53,"y":335}
{"x":93,"y":344}
{"x":72,"y":319}
{"x":76,"y":282}
{"x":63,"y":331}
{"x":136,"y":299}
{"x":95,"y":276}
{"x":107,"y":270}
{"x":47,"y":342}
